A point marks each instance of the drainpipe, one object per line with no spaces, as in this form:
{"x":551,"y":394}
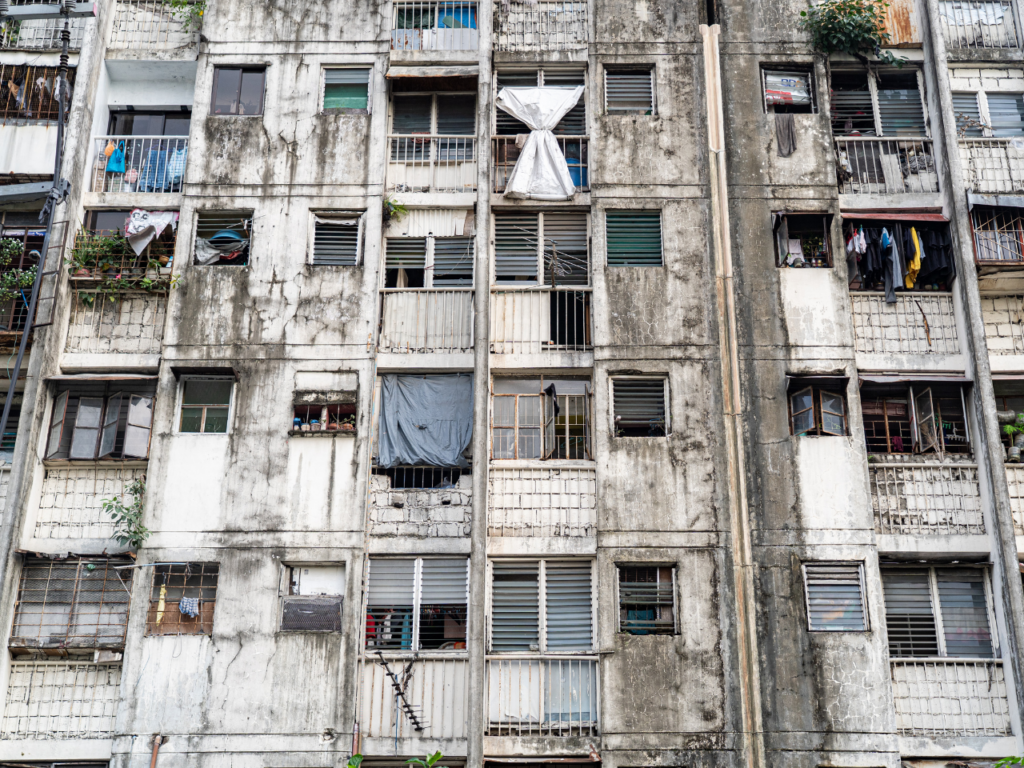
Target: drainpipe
{"x":157,"y":741}
{"x":739,"y":519}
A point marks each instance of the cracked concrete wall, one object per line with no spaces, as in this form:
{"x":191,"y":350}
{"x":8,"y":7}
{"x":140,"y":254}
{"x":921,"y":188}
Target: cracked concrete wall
{"x":429,"y":512}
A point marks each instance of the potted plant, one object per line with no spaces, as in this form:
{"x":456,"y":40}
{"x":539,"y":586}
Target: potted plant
{"x":1015,"y":432}
{"x":347,"y":422}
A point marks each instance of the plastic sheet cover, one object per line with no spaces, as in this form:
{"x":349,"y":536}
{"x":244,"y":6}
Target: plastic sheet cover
{"x":425,"y":420}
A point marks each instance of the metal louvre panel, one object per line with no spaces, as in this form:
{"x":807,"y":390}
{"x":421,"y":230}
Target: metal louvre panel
{"x":968,"y":117}
{"x":453,"y":261}
{"x":853,"y":112}
{"x":390,"y":582}
{"x":336,"y":244}
{"x":575,"y":121}
{"x":505,"y":124}
{"x":638,"y":401}
{"x":347,"y":76}
{"x":408,"y":252}
{"x":899,"y":106}
{"x":570,"y":236}
{"x":456,"y":115}
{"x":630,"y":92}
{"x":1006,"y":111}
{"x":515,"y":245}
{"x":834,"y":599}
{"x":964,"y":612}
{"x":515,"y":607}
{"x":908,"y":613}
{"x":568,"y":615}
{"x":312,"y":614}
{"x":411,"y":114}
{"x":633,"y":238}
{"x":445,"y":581}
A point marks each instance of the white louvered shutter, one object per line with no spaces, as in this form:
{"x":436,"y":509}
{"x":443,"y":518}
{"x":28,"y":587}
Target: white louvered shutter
{"x":964,"y":612}
{"x":515,"y":607}
{"x":515,"y":246}
{"x":568,"y":615}
{"x":389,"y":602}
{"x":444,"y":595}
{"x":629,"y":92}
{"x":909,"y":620}
{"x":835,"y":600}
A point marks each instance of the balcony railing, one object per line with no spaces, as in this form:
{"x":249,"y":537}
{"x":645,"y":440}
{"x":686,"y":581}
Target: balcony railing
{"x":1015,"y":483}
{"x":432,"y":164}
{"x":41,"y":35}
{"x":532,"y":501}
{"x":993,"y":165}
{"x":1003,"y":317}
{"x":97,"y":256}
{"x":918,"y":323}
{"x":533,"y":321}
{"x":449,"y":25}
{"x":945,"y":697}
{"x":61,"y":700}
{"x":935,"y":499}
{"x":148,"y":25}
{"x":575,"y":149}
{"x":140,"y":163}
{"x":543,"y":26}
{"x":133,"y":323}
{"x":885,"y":166}
{"x":527,"y":696}
{"x":968,"y":24}
{"x":437,"y":689}
{"x":71,"y":501}
{"x":426,"y":320}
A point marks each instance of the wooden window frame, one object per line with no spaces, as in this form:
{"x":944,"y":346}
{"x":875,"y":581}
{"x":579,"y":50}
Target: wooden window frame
{"x":817,"y":408}
{"x":545,"y":453}
{"x":180,"y":401}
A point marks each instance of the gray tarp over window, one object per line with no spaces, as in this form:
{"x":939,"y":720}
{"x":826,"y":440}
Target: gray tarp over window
{"x":425,"y":420}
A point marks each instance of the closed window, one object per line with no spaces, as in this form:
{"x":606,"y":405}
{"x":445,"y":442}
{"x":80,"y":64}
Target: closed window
{"x":900,"y":105}
{"x":639,"y":406}
{"x":647,"y":599}
{"x":101,"y":420}
{"x":967,"y":113}
{"x":336,"y":239}
{"x":817,"y":407}
{"x":633,"y":238}
{"x":347,"y":90}
{"x":853,"y":111}
{"x":417,"y":604}
{"x":428,"y":262}
{"x":629,"y":91}
{"x":222,"y":238}
{"x":789,"y":91}
{"x":574,"y":123}
{"x":835,"y":597}
{"x":313,"y":601}
{"x":924,"y":418}
{"x":182,"y":598}
{"x":540,"y":419}
{"x":938,"y":612}
{"x":998,"y":234}
{"x":432,"y":127}
{"x":1006,"y":113}
{"x":238,"y":90}
{"x":205,"y":405}
{"x":550,"y":248}
{"x":989,"y":114}
{"x":555,"y":595}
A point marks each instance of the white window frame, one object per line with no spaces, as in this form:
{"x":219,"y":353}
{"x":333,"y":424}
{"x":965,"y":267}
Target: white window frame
{"x":651,"y":70}
{"x":863,"y":595}
{"x":369,"y":86}
{"x":360,"y":217}
{"x":287,"y":570}
{"x":181,"y":395}
{"x":648,"y":377}
{"x":675,"y":594}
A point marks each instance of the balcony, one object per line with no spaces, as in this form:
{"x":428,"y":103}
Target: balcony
{"x":527,"y":696}
{"x":132,"y":323}
{"x":541,"y":320}
{"x":432,"y":163}
{"x":41,"y":35}
{"x":993,"y":166}
{"x":972,"y":24}
{"x":106,"y":261}
{"x":149,"y":25}
{"x":438,"y":502}
{"x":543,"y":26}
{"x":61,"y":700}
{"x":150,"y":164}
{"x":449,"y":25}
{"x":918,"y":323}
{"x":950,"y":698}
{"x":885,"y":166}
{"x":1004,"y":332}
{"x":575,"y":149}
{"x":71,"y":500}
{"x":541,"y":501}
{"x":422,"y":320}
{"x":926,"y":498}
{"x":436,"y":688}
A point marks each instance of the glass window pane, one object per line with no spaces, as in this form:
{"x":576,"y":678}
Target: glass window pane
{"x":83,"y":443}
{"x":832,"y":403}
{"x":803,"y":400}
{"x":529,"y":443}
{"x":191,"y":419}
{"x":964,"y":613}
{"x":345,"y":96}
{"x":251,"y":100}
{"x":198,"y":392}
{"x":140,"y":411}
{"x":832,"y":424}
{"x":216,"y":420}
{"x":411,"y":114}
{"x":529,"y":411}
{"x":136,"y":442}
{"x":456,"y":115}
{"x":504,"y":444}
{"x":803,"y":422}
{"x":225,"y":98}
{"x":89,"y":410}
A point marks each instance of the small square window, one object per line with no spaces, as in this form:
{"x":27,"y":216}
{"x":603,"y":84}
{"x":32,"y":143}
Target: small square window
{"x":647,"y":601}
{"x":314,"y":599}
{"x":633,"y":238}
{"x":327,"y":418}
{"x":817,"y":406}
{"x":238,"y":90}
{"x":205,"y":405}
{"x":347,"y":90}
{"x":802,"y":239}
{"x":182,"y":599}
{"x":336,"y":239}
{"x":639,"y":407}
{"x":629,"y":91}
{"x":835,"y":597}
{"x":789,"y":91}
{"x":222,"y":238}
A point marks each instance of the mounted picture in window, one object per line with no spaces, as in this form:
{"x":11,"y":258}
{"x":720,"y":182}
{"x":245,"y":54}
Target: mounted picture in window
{"x":347,"y":90}
{"x":101,"y":420}
{"x":923,"y":417}
{"x":802,"y":239}
{"x":817,"y":406}
{"x":205,"y":405}
{"x":238,"y":90}
{"x":789,"y":90}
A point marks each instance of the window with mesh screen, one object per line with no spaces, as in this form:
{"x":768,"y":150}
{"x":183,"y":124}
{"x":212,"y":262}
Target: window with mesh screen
{"x":633,"y":238}
{"x":543,"y":418}
{"x":520,"y":606}
{"x":76,"y":603}
{"x":639,"y":407}
{"x":629,"y":91}
{"x":315,"y":598}
{"x":222,"y":238}
{"x":182,"y":598}
{"x":101,"y":420}
{"x":924,"y":418}
{"x":647,"y":602}
{"x":835,"y":597}
{"x":417,"y":604}
{"x":336,"y":239}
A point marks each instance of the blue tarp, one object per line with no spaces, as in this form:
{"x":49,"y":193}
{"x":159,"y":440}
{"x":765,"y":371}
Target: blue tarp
{"x":425,"y":420}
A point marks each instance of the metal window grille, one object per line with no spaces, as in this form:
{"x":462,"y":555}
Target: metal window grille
{"x":639,"y":407}
{"x":647,"y":600}
{"x":26,"y":230}
{"x":544,"y":606}
{"x":72,"y":604}
{"x":314,"y":601}
{"x":900,"y":107}
{"x":968,"y":24}
{"x":920,"y":422}
{"x":336,"y":240}
{"x":28,"y":93}
{"x":223,"y":238}
{"x":449,"y":25}
{"x":853,"y":111}
{"x":102,"y":420}
{"x":633,"y":238}
{"x":417,"y":604}
{"x":629,"y":92}
{"x":174,"y":583}
{"x":998,"y":234}
{"x":421,"y":477}
{"x":835,"y":597}
{"x":967,"y":114}
{"x":515,"y":246}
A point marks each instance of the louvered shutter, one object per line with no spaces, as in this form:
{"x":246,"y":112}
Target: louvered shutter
{"x":1006,"y":111}
{"x":899,"y":106}
{"x":505,"y":124}
{"x":389,"y":603}
{"x":852,"y":109}
{"x":629,"y":92}
{"x":515,"y":246}
{"x":639,"y":406}
{"x":444,"y":585}
{"x":835,"y":602}
{"x":575,"y":121}
{"x":453,"y":261}
{"x":566,"y":260}
{"x":346,"y":88}
{"x":633,"y":238}
{"x":411,"y":114}
{"x":456,"y":115}
{"x":968,"y":117}
{"x":335,"y":242}
{"x":515,"y":607}
{"x":909,"y":620}
{"x":405,"y":252}
{"x":964,"y":612}
{"x":568,"y":614}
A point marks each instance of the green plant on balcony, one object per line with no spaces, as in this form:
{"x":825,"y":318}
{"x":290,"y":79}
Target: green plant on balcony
{"x":110,"y":261}
{"x":856,"y":27}
{"x":13,"y":281}
{"x":189,"y":13}
{"x":128,"y":528}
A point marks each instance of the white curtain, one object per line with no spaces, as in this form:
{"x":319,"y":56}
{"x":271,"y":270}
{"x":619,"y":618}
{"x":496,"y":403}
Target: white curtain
{"x":541,"y":172}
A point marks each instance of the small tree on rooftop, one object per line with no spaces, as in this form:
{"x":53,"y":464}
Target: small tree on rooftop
{"x":856,"y":27}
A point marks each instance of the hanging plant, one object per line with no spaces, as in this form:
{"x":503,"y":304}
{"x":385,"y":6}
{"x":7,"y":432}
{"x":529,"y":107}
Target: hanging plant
{"x":392,"y":210}
{"x":856,"y":27}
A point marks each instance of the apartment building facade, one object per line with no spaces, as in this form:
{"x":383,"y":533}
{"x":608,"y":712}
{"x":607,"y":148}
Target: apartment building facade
{"x":660,"y":455}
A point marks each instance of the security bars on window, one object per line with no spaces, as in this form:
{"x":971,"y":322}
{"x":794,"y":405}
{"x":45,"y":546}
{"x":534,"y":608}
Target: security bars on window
{"x":182,"y":598}
{"x":835,"y":597}
{"x":998,"y":235}
{"x":647,"y":600}
{"x":541,"y":424}
{"x":916,"y":423}
{"x":541,"y":606}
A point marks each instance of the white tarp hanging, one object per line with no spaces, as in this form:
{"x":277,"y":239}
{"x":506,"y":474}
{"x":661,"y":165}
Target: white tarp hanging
{"x":541,"y":172}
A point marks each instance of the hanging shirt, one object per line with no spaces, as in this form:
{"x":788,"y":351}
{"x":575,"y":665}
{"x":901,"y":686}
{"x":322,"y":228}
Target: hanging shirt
{"x":914,"y":265}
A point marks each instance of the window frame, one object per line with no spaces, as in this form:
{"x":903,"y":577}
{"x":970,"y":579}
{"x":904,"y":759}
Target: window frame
{"x":805,"y":70}
{"x":113,"y":389}
{"x":777,"y":220}
{"x":542,"y":271}
{"x":322,"y":110}
{"x":204,"y":218}
{"x":588,"y":422}
{"x":433,"y":134}
{"x":180,"y":404}
{"x":243,"y":68}
{"x":800,"y":384}
{"x":612,"y":378}
{"x":912,"y":394}
{"x":674,"y":568}
{"x":650,"y":70}
{"x":360,"y":218}
{"x":539,"y":72}
{"x":863,"y":595}
{"x":430,"y":240}
{"x":287,"y":595}
{"x":198,"y":624}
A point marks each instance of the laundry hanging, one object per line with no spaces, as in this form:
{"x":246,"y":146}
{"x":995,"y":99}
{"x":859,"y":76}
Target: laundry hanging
{"x":143,"y":227}
{"x":541,"y":172}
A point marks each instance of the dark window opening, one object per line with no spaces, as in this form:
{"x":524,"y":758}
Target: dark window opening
{"x":924,"y":418}
{"x":441,"y":586}
{"x":328,"y":417}
{"x":647,"y":600}
{"x":222,"y":238}
{"x":422,"y":477}
{"x":853,"y":112}
{"x":238,"y":91}
{"x":640,"y":408}
{"x":871,"y":261}
{"x":315,"y":599}
{"x":21,"y":242}
{"x":182,"y":599}
{"x":149,"y":122}
{"x":802,"y":239}
{"x":101,"y":420}
{"x":817,"y":409}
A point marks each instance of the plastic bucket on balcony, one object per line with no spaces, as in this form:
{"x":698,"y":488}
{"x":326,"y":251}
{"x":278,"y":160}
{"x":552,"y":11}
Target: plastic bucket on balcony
{"x":578,"y":173}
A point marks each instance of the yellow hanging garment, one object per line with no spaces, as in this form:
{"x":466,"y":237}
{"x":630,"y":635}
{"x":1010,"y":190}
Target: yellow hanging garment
{"x":915,"y":264}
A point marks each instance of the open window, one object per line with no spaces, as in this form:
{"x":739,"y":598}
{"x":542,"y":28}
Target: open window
{"x":853,"y":110}
{"x":101,"y":419}
{"x":337,"y":238}
{"x":541,"y":606}
{"x":417,"y":604}
{"x":182,"y":598}
{"x":835,"y":597}
{"x":324,"y":413}
{"x":789,"y":90}
{"x":640,"y":406}
{"x":428,"y":262}
{"x":222,"y":238}
{"x":924,"y":257}
{"x":543,"y":418}
{"x":802,"y":239}
{"x":817,"y":406}
{"x":647,"y":599}
{"x":916,"y":417}
{"x":1010,"y":412}
{"x":313,"y":600}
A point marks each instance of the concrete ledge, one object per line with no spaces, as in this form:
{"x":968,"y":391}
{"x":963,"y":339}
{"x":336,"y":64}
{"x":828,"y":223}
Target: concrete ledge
{"x":939,"y":543}
{"x":81,"y":362}
{"x":921,"y":364}
{"x":402,"y":545}
{"x":958,"y":746}
{"x":541,"y":546}
{"x":55,"y":749}
{"x":64,"y":545}
{"x":430,"y":361}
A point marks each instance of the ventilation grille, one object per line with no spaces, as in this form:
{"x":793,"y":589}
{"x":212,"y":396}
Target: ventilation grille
{"x":834,"y":599}
{"x":634,"y":238}
{"x":629,"y":92}
{"x":639,"y":407}
{"x":312,"y":614}
{"x":336,"y":243}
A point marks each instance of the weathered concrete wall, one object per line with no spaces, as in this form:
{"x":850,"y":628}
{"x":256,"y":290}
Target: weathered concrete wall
{"x":430,"y":512}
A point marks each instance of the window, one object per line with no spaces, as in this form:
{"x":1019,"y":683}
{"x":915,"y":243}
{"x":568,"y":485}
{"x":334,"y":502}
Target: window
{"x":553,"y":594}
{"x":551,"y":248}
{"x":647,"y":599}
{"x":938,"y":264}
{"x":967,"y":113}
{"x":238,"y":91}
{"x":629,"y":91}
{"x":101,"y":420}
{"x":817,"y":407}
{"x":182,"y":598}
{"x":923,"y":418}
{"x":428,"y":262}
{"x":336,"y":239}
{"x":998,"y":234}
{"x":900,"y":105}
{"x":540,"y":419}
{"x":638,"y":406}
{"x":205,"y":405}
{"x":100,"y":246}
{"x":1006,"y":113}
{"x":24,"y":229}
{"x":10,"y":436}
{"x":313,"y":602}
{"x":438,"y":127}
{"x":417,"y":604}
{"x":938,"y":612}
{"x":633,"y":238}
{"x":789,"y":91}
{"x":1009,"y":407}
{"x":222,"y":238}
{"x":77,"y":603}
{"x":574,"y":123}
{"x":323,"y":413}
{"x":132,"y":121}
{"x":30,"y":92}
{"x":347,"y":90}
{"x":853,"y":111}
{"x":835,"y":597}
{"x":802,"y":239}
{"x":989,"y":114}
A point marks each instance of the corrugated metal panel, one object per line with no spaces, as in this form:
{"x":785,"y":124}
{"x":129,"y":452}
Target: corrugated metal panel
{"x":633,"y":238}
{"x":440,"y":222}
{"x":629,"y":92}
{"x":453,"y":261}
{"x":964,"y":612}
{"x":638,"y":402}
{"x":902,"y":24}
{"x":568,"y":615}
{"x":456,"y":115}
{"x":852,"y":109}
{"x":411,"y":113}
{"x":908,"y":613}
{"x":1006,"y":111}
{"x":515,"y":246}
{"x":900,"y":107}
{"x":520,"y":322}
{"x":834,"y":599}
{"x":410,"y":252}
{"x":336,"y":243}
{"x":352,"y":76}
{"x":566,"y":241}
{"x":968,"y":117}
{"x":515,"y":607}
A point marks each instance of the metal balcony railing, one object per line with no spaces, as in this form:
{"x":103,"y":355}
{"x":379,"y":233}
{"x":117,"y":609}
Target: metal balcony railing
{"x":530,"y":696}
{"x":448,"y":25}
{"x":140,"y":163}
{"x":918,"y":323}
{"x":541,"y":501}
{"x":930,"y":499}
{"x":543,"y":26}
{"x":133,"y":323}
{"x":993,"y":165}
{"x":950,"y":697}
{"x":968,"y":24}
{"x":437,"y":689}
{"x":41,"y":35}
{"x":148,"y":25}
{"x":869,"y":165}
{"x":541,"y":320}
{"x":426,"y":320}
{"x":575,"y":149}
{"x":420,"y":163}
